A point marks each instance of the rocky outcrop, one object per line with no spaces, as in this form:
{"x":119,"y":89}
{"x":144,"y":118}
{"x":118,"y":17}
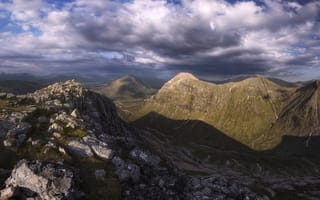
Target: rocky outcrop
{"x":17,"y":135}
{"x":80,"y":102}
{"x":46,"y":180}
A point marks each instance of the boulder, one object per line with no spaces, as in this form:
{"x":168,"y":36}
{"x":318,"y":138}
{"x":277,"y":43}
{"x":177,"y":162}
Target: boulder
{"x":75,"y":113}
{"x":17,"y":135}
{"x":43,"y":119}
{"x":100,"y":148}
{"x":126,"y":171}
{"x":7,"y":193}
{"x":79,"y":148}
{"x":48,"y":180}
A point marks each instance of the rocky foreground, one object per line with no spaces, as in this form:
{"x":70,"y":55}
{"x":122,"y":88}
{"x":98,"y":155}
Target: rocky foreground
{"x":66,"y":142}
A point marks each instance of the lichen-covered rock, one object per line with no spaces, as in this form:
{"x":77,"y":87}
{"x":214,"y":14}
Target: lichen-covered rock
{"x":48,"y":180}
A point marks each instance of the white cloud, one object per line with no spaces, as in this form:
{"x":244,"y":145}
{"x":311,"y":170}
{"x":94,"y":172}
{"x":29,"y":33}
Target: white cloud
{"x":192,"y":34}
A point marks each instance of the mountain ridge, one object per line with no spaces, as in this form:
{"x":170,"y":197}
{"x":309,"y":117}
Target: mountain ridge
{"x":241,"y":109}
{"x":126,"y":87}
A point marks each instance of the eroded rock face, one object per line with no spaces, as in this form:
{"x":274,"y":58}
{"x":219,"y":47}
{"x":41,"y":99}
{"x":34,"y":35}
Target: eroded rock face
{"x":48,"y":180}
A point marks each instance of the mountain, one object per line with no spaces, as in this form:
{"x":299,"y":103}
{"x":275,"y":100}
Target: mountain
{"x":242,"y":110}
{"x":300,"y":115}
{"x":127,"y":87}
{"x":18,"y":86}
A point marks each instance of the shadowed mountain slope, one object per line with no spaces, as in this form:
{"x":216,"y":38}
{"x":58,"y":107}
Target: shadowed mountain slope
{"x":186,"y":132}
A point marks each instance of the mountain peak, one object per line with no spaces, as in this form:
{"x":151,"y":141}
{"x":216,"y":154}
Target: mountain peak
{"x":128,"y":78}
{"x":125,"y":87}
{"x":184,"y":76}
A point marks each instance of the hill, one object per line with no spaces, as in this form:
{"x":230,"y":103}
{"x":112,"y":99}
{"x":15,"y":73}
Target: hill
{"x":127,"y":87}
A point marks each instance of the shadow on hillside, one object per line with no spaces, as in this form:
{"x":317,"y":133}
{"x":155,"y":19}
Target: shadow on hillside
{"x":187,"y":132}
{"x":297,"y":146}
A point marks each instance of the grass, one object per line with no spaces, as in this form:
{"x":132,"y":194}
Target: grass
{"x":75,"y":132}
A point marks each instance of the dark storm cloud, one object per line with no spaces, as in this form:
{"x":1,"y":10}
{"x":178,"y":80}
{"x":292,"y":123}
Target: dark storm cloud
{"x":201,"y":36}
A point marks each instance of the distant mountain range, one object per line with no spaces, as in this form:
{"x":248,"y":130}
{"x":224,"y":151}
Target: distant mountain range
{"x":19,"y":86}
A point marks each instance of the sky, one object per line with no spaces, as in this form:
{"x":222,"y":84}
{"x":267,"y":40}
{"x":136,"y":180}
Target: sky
{"x":157,"y":38}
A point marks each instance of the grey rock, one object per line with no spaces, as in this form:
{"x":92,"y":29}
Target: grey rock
{"x":126,"y":171}
{"x":55,"y":128}
{"x":48,"y":180}
{"x":17,"y":135}
{"x":100,"y":148}
{"x":79,"y":148}
{"x":145,"y":157}
{"x":43,"y":119}
{"x":56,"y":135}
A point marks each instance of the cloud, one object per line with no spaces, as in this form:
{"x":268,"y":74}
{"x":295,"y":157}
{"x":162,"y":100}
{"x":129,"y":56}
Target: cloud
{"x":201,"y":36}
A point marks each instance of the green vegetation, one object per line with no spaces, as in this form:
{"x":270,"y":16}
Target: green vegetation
{"x":75,"y":133}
